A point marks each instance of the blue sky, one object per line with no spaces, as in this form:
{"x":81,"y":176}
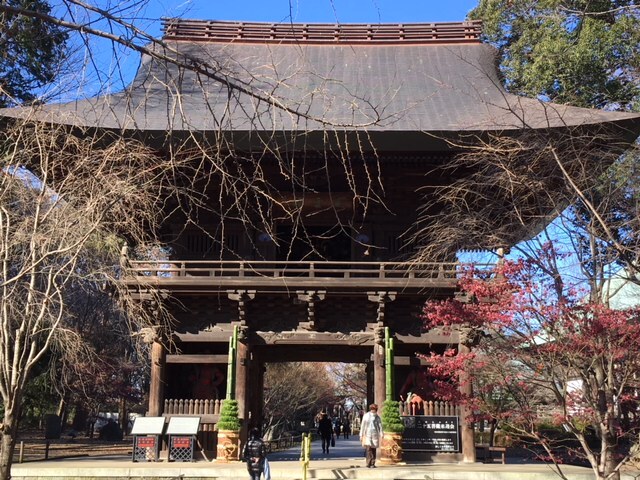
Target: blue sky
{"x":322,"y":11}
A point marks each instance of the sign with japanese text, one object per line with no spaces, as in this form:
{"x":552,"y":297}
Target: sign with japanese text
{"x":431,"y":433}
{"x":181,"y":442}
{"x":146,"y":442}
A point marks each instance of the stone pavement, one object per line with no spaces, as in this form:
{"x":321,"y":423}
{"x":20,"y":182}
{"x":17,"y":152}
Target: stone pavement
{"x":345,"y":461}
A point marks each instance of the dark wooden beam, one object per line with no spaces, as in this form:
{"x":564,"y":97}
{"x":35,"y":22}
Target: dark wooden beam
{"x":305,"y":337}
{"x":221,"y":336}
{"x":284,"y":285}
{"x":196,"y":358}
{"x":413,"y":361}
{"x":309,"y":353}
{"x":433,"y":336}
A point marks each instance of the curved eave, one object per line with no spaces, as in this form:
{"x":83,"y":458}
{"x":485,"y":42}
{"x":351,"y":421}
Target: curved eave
{"x":419,"y":95}
{"x":621,"y":130}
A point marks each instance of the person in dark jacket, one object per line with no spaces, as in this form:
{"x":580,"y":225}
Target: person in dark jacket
{"x":254,"y":454}
{"x":346,"y":427}
{"x":337,"y":426}
{"x":325,"y":430}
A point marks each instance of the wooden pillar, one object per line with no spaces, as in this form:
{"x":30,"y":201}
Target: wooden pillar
{"x":468,"y":442}
{"x":255,"y":391}
{"x":242,"y":356}
{"x":241,"y":384}
{"x":369,"y":369}
{"x":156,"y":388}
{"x":379,"y":373}
{"x":379,"y":377}
{"x":258,"y":414}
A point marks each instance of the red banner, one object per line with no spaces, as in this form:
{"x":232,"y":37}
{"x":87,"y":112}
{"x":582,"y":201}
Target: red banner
{"x":146,"y":442}
{"x":181,"y":442}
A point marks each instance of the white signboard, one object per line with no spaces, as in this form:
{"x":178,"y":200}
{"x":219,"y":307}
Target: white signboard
{"x":148,"y":426}
{"x":183,"y":426}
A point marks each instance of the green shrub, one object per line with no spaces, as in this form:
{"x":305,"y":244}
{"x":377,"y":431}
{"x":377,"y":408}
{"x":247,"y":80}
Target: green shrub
{"x":229,"y":419}
{"x":391,"y":419}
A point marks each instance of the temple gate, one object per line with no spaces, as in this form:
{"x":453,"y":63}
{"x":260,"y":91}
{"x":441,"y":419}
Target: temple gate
{"x":339,"y":137}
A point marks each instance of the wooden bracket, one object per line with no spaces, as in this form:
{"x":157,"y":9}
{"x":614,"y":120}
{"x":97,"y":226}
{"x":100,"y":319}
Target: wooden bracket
{"x":381,"y":298}
{"x":242,"y":297}
{"x":310,"y":297}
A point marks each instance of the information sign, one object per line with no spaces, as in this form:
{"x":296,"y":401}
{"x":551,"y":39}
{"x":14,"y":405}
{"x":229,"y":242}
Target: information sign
{"x":148,"y":426}
{"x":429,"y":433}
{"x":147,"y":432}
{"x":183,"y":426}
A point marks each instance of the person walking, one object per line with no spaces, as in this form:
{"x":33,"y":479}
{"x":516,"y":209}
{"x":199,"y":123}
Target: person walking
{"x":337,"y":427}
{"x":371,"y":434}
{"x":255,"y":454}
{"x":346,"y":427}
{"x":325,"y":430}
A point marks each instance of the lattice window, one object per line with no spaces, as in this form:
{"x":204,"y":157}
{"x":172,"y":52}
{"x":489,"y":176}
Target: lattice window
{"x":232,"y":241}
{"x":199,"y":244}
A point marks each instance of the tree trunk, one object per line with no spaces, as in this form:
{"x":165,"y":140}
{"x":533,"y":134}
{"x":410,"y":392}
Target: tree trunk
{"x":123,"y":416}
{"x":8,"y":443}
{"x":62,"y":411}
{"x":610,"y":463}
{"x":80,"y":418}
{"x":466,"y":428}
{"x":492,"y":431}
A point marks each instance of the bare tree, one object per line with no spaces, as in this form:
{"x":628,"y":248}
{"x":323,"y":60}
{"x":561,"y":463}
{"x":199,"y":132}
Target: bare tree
{"x":517,"y":184}
{"x":351,"y":382}
{"x":72,"y":195}
{"x":66,"y":203}
{"x":294,"y":392}
{"x":533,"y":360}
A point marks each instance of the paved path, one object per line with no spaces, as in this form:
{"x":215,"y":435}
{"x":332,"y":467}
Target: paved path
{"x":344,"y":449}
{"x":345,"y":461}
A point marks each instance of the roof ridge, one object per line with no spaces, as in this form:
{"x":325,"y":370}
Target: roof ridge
{"x":321,"y":33}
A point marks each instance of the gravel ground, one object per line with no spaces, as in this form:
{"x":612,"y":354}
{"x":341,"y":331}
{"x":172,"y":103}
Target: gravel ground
{"x":35,"y":447}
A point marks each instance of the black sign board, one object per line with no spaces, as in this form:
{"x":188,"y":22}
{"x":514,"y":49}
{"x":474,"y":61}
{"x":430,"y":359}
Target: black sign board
{"x":431,"y":433}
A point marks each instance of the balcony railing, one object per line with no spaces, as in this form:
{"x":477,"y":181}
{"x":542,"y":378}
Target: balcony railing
{"x":293,"y":273}
{"x":429,"y":407}
{"x":207,"y":409}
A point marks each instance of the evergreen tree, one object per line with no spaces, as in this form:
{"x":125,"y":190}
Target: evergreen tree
{"x":578,"y":52}
{"x":31,"y":50}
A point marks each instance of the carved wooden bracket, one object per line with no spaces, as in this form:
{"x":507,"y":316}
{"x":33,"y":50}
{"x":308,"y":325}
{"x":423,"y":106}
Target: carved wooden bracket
{"x":242,"y":297}
{"x":381,"y":298}
{"x":310,"y":297}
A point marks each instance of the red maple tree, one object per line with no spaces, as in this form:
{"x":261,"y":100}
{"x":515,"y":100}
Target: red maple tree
{"x":554,"y":366}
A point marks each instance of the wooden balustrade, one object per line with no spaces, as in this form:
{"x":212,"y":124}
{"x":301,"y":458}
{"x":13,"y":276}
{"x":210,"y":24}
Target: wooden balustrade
{"x":354,"y":271}
{"x":429,"y":407}
{"x":207,"y":410}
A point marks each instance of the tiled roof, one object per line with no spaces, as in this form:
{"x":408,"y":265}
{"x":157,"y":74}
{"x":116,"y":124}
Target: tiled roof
{"x":301,"y":86}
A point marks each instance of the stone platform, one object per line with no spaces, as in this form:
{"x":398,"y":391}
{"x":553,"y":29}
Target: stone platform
{"x":321,"y":469}
{"x":346,"y":461}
